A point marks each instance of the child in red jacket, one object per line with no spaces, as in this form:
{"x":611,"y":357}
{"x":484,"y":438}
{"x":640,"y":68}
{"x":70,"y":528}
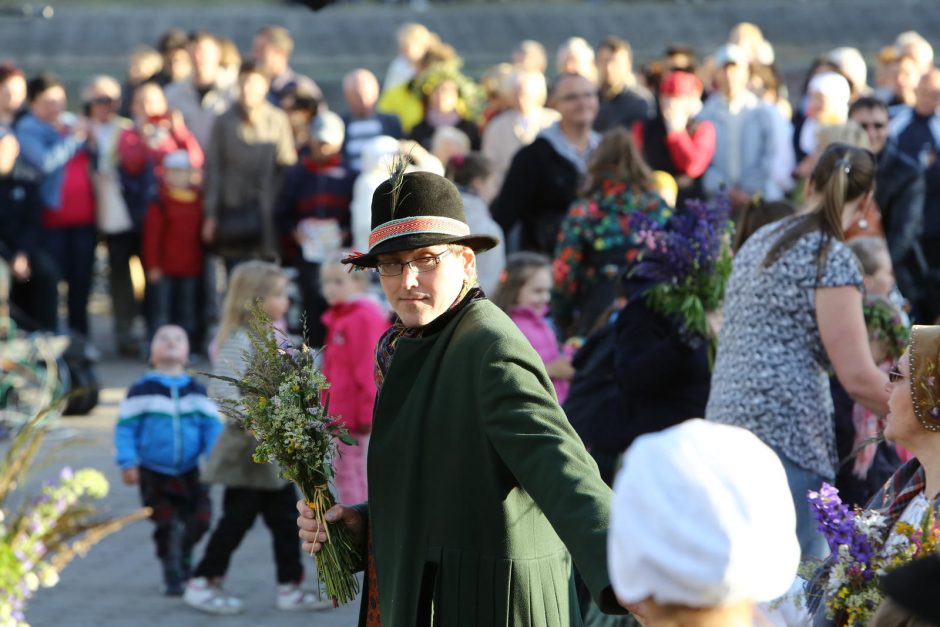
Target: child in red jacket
{"x":172,"y":245}
{"x":354,"y":323}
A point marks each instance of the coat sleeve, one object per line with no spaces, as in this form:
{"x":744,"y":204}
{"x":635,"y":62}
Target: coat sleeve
{"x":692,"y":152}
{"x":127,"y":436}
{"x":47,"y":158}
{"x":532,"y":436}
{"x":153,"y":236}
{"x":906,"y":219}
{"x":185,"y":140}
{"x":213,"y":194}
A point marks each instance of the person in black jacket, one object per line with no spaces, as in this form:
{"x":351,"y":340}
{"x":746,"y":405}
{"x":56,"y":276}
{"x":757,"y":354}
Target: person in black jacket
{"x":35,"y":292}
{"x":899,"y":193}
{"x":544,"y":177}
{"x":663,"y":375}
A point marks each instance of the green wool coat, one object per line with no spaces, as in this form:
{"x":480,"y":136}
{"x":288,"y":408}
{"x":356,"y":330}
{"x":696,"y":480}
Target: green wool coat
{"x":480,"y":492}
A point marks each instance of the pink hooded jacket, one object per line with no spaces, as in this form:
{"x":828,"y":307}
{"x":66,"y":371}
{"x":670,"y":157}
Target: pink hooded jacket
{"x":540,"y":334}
{"x":352,"y":331}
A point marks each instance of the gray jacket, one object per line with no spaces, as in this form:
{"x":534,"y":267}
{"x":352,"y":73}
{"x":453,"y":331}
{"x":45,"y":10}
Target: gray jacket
{"x":230,"y":462}
{"x":745,"y":146}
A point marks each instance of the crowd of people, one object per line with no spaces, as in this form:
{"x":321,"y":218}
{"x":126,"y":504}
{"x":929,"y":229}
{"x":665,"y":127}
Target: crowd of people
{"x":511,"y":222}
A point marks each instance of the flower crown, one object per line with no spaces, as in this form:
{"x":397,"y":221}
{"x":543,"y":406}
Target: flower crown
{"x":925,"y":347}
{"x":886,"y":325}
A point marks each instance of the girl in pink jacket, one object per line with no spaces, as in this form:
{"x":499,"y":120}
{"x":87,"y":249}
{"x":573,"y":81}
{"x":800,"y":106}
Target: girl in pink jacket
{"x":523,"y":293}
{"x":354,"y":322}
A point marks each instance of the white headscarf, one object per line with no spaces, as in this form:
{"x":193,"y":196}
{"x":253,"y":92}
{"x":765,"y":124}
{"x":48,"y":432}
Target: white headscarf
{"x":702,"y":517}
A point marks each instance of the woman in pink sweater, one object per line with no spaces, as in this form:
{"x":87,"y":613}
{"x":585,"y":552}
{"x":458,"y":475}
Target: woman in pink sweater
{"x":354,"y":323}
{"x":524,"y":292}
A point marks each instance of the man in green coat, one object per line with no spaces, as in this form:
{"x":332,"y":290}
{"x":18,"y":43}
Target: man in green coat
{"x":480,"y":493}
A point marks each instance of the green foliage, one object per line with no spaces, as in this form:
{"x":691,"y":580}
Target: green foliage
{"x":282,"y":405}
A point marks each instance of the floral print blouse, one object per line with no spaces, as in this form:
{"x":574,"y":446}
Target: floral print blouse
{"x":596,"y":244}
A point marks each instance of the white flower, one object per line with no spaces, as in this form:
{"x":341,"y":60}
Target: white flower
{"x":32,"y":581}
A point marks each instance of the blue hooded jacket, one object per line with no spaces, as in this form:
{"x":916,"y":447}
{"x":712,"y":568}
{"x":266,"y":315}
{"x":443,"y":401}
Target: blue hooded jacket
{"x":165,"y":424}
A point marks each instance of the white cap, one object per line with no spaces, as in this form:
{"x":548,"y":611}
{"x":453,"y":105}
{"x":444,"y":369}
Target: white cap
{"x":851,"y":63}
{"x":832,"y":85}
{"x":730,"y":54}
{"x":702,"y":516}
{"x":177,"y":160}
{"x":328,"y":128}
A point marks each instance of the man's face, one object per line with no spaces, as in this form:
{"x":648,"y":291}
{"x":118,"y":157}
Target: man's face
{"x":361,"y":92}
{"x":928,"y":93}
{"x":12,"y":93}
{"x":206,"y":57}
{"x":613,"y":67}
{"x":420,"y":297}
{"x":48,"y":105}
{"x":732,"y":79}
{"x":875,"y":123}
{"x":576,"y":100}
{"x":263,"y":52}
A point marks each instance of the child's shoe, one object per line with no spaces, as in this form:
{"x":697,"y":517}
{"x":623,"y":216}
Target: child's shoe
{"x":291,"y":597}
{"x":209,"y":597}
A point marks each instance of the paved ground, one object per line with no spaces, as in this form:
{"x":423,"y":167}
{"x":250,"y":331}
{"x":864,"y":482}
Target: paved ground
{"x":118,"y":583}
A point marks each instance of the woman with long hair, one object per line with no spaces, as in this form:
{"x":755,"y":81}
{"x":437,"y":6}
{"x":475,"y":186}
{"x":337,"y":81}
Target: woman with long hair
{"x":596,"y":242}
{"x":793,"y":310}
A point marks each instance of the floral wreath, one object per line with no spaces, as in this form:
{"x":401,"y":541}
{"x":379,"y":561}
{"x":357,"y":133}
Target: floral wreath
{"x":471,"y":95}
{"x":926,"y":399}
{"x":886,"y":325}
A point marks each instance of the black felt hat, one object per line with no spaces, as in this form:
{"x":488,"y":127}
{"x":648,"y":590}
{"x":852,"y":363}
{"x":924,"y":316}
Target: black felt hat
{"x":416,"y":210}
{"x":913,"y":587}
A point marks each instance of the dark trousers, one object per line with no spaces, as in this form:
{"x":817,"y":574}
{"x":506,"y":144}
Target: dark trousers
{"x":173,"y":300}
{"x":181,"y":512}
{"x":73,"y":249}
{"x":38,"y":297}
{"x":240,"y":507}
{"x":308,"y":274}
{"x":121,"y":247}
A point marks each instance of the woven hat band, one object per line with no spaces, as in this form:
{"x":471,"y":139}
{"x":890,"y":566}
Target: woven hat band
{"x":421,"y":224}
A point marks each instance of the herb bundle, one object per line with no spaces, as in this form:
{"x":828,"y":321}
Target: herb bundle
{"x":282,"y":406}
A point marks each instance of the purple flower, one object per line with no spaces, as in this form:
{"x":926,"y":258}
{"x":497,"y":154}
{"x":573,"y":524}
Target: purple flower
{"x":935,"y":411}
{"x":931,"y":381}
{"x":837,"y":524}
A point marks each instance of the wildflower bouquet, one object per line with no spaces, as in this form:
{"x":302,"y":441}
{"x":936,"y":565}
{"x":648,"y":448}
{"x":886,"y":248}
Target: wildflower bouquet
{"x":690,"y":261}
{"x":40,"y":537}
{"x":282,"y":405}
{"x":863,"y":550}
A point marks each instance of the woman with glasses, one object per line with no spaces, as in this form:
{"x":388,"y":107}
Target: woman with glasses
{"x":480,"y":493}
{"x":913,"y":422}
{"x":793,"y":311}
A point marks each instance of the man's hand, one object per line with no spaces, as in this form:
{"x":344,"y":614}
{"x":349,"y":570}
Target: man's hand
{"x":154,"y":275}
{"x":314,"y":538}
{"x":130,"y":475}
{"x":20,"y":267}
{"x":208,"y":230}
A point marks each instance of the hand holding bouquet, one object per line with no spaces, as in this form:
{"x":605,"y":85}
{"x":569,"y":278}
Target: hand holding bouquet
{"x":282,"y":405}
{"x":864,"y":550}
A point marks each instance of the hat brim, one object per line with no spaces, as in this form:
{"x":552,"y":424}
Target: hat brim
{"x":477,"y":243}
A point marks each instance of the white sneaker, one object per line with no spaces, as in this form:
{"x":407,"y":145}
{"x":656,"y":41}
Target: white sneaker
{"x":209,"y":597}
{"x":292,"y":598}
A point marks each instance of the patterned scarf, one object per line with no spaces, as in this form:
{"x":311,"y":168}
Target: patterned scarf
{"x":384,"y":353}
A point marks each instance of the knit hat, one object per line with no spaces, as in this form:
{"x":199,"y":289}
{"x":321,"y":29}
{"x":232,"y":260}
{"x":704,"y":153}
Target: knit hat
{"x":702,"y":517}
{"x":177,"y":160}
{"x":416,"y":210}
{"x":925,"y":391}
{"x":679,"y":83}
{"x":327,"y":127}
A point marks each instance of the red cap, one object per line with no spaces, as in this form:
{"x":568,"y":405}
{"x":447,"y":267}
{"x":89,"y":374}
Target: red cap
{"x":680,"y":84}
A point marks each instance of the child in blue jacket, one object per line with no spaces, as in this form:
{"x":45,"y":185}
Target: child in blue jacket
{"x":165,"y":424}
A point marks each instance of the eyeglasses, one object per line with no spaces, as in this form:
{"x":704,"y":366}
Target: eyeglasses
{"x":895,"y":375}
{"x":420,"y":265}
{"x":878,"y":126}
{"x":577,"y":96}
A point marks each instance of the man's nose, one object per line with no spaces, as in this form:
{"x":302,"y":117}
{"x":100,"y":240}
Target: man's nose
{"x":409,"y":277}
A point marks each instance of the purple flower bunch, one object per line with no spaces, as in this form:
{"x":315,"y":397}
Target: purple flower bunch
{"x":837,"y":523}
{"x":690,"y":242}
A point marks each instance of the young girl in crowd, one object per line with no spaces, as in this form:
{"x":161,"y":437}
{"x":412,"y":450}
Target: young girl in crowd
{"x":523,"y":293}
{"x":354,"y":323}
{"x":250,"y":488}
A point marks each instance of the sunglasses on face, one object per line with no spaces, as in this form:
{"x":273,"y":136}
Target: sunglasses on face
{"x":895,"y":375}
{"x":577,"y":96}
